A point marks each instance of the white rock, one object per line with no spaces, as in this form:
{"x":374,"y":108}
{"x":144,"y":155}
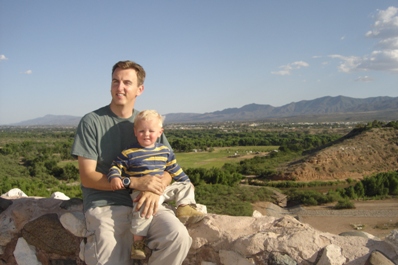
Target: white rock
{"x":257,"y":214}
{"x":81,"y":250}
{"x":74,"y":222}
{"x":14,"y":193}
{"x":7,"y":229}
{"x":25,"y":254}
{"x":60,"y":196}
{"x":201,"y":208}
{"x":392,"y":238}
{"x":331,"y":256}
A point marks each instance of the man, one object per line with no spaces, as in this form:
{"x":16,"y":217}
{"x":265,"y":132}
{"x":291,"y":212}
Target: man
{"x":100,"y":137}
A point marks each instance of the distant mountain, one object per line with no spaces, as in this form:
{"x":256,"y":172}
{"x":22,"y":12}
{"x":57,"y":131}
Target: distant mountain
{"x":338,"y":108}
{"x":328,"y":108}
{"x":51,"y":120}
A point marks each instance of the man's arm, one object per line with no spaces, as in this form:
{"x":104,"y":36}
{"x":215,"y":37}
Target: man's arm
{"x":91,"y":178}
{"x":96,"y":180}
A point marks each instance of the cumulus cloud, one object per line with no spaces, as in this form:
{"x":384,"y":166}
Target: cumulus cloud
{"x":364,"y":79}
{"x":27,"y":72}
{"x":288,"y":68}
{"x":3,"y":57}
{"x":385,"y":54}
{"x":386,"y":24}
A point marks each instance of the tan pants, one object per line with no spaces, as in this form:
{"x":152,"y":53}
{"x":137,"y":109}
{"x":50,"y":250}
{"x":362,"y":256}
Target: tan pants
{"x":180,"y":192}
{"x":109,"y":239}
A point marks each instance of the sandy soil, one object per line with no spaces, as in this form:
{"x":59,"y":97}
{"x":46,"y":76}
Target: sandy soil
{"x":377,"y":217}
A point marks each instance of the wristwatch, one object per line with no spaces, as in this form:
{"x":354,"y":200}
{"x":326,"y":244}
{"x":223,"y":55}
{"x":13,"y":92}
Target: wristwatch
{"x":126,"y":182}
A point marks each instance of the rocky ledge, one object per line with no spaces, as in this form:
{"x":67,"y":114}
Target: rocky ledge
{"x":51,"y":231}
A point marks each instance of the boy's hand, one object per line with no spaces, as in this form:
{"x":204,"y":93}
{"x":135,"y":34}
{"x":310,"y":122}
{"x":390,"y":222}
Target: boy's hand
{"x":117,"y":184}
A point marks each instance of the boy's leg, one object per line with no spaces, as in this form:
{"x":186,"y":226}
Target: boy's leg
{"x":139,"y":228}
{"x":168,"y":238}
{"x":180,"y":192}
{"x":184,"y":195}
{"x":139,"y":225}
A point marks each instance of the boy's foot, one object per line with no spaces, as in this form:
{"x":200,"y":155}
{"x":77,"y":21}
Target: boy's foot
{"x":189,"y":215}
{"x":138,"y":250}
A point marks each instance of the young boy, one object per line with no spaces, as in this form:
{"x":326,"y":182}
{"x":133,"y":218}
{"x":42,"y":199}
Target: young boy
{"x":149,"y":157}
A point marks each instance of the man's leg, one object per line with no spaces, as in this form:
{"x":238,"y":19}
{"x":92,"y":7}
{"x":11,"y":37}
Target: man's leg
{"x":108,"y":235}
{"x":168,"y":238}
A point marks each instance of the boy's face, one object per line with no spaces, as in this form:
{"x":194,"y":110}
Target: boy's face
{"x":147,"y":132}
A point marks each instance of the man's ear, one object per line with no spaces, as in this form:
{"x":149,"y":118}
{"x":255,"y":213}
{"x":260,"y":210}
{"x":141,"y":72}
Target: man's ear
{"x":140,"y":89}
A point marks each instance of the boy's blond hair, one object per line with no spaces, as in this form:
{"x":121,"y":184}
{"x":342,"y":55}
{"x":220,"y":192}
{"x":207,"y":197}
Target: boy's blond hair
{"x":147,"y":115}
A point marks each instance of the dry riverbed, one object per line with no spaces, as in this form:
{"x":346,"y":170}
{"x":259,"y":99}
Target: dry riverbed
{"x":376,"y":217}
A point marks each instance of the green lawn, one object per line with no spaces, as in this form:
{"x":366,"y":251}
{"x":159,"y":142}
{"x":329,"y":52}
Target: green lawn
{"x":217,"y":158}
{"x":220,"y":156}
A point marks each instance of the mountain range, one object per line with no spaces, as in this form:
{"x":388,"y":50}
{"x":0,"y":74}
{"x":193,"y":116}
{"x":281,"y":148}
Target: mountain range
{"x":324,"y":109}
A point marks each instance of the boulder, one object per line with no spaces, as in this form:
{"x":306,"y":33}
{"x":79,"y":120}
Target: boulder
{"x":51,"y":231}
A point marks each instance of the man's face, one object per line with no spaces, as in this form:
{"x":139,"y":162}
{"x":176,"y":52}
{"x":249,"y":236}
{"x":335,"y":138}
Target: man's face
{"x":125,"y":88}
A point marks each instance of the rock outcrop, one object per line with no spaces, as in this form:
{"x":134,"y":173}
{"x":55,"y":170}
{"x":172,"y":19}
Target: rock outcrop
{"x":50,"y":231}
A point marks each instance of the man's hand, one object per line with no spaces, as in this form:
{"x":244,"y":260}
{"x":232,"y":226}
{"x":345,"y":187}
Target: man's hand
{"x":151,"y":201}
{"x":154,"y":184}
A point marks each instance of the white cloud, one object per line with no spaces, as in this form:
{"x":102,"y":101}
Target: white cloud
{"x":386,"y":24}
{"x":385,"y":55}
{"x":347,"y":63}
{"x":28,"y":72}
{"x":364,"y":79}
{"x":288,"y":68}
{"x":3,"y":57}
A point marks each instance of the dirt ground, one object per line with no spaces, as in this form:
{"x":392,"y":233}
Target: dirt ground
{"x":378,"y":218}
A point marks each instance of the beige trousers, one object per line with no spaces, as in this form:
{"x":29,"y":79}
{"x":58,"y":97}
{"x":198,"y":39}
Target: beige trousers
{"x":109,"y":239}
{"x":180,"y":192}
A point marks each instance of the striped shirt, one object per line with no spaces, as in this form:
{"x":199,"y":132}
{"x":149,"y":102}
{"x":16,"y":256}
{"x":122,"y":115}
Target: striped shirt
{"x":137,"y":161}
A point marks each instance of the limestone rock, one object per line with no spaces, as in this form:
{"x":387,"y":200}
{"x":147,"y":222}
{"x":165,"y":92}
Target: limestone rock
{"x":276,"y":258}
{"x":74,"y":223}
{"x":25,"y":254}
{"x":4,"y":204}
{"x":54,"y":230}
{"x":393,"y":238}
{"x":378,"y":258}
{"x":74,"y":204}
{"x":14,"y":193}
{"x":46,"y":232}
{"x":331,"y":255}
{"x":59,"y":195}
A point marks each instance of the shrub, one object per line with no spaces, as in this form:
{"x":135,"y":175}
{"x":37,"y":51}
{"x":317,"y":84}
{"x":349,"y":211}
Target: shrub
{"x":344,"y":204}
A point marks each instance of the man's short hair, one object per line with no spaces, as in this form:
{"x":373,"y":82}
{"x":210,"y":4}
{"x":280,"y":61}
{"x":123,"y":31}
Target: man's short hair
{"x":132,"y":65}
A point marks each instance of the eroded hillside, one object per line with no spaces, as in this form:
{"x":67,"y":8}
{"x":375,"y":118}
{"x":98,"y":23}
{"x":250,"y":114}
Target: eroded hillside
{"x":371,"y":151}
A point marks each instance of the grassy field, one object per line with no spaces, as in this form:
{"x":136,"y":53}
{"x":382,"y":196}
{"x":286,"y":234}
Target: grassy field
{"x":221,"y":155}
{"x":217,"y":158}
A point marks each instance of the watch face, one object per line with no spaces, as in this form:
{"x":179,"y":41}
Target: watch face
{"x":126,"y":181}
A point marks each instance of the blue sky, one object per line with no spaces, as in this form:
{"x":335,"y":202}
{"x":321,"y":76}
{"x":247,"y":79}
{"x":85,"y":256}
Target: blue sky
{"x":200,"y":56}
